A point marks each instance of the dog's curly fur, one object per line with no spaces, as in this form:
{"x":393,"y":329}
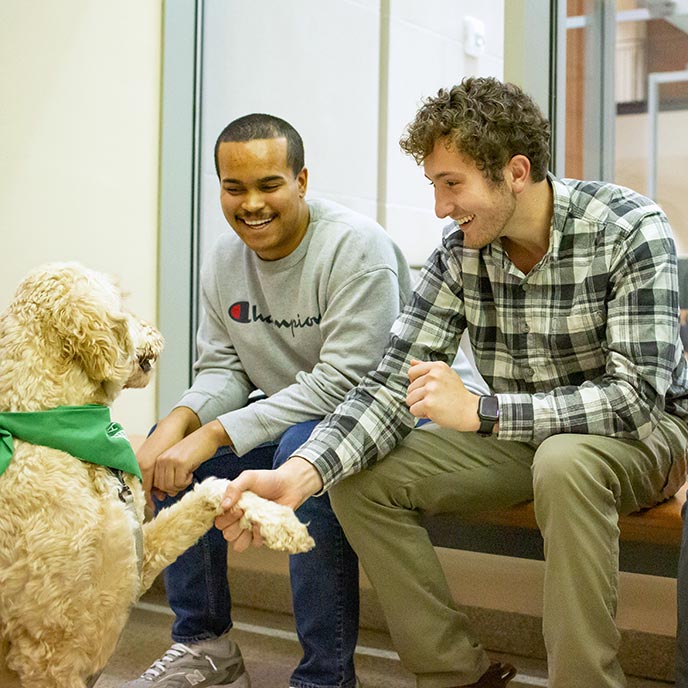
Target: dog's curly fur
{"x":69,"y":571}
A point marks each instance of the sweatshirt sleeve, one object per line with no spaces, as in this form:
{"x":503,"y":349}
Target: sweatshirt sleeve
{"x":221,"y":383}
{"x":355,"y":327}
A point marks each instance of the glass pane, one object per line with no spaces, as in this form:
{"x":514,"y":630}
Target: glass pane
{"x":650,"y":93}
{"x":650,"y":42}
{"x":651,"y":38}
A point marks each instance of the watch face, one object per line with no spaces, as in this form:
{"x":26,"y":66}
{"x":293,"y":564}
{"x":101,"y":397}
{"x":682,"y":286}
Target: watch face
{"x":488,"y":408}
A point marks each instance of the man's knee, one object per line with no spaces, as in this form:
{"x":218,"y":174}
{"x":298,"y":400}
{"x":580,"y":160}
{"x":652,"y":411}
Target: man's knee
{"x":564,"y":464}
{"x":346,"y":495}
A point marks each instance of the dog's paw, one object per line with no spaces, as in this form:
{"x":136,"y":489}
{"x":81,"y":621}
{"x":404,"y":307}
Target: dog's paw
{"x":278,"y":525}
{"x":213,"y":490}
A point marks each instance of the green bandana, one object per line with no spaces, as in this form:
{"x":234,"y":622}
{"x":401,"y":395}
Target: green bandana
{"x":82,"y":431}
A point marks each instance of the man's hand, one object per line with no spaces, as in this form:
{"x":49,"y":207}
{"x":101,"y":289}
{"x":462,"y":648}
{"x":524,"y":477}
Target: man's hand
{"x":438,"y":393}
{"x":170,"y":430}
{"x":291,"y":484}
{"x":175,"y":466}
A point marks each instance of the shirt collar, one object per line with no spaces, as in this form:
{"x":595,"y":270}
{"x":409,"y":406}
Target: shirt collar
{"x":561,"y":205}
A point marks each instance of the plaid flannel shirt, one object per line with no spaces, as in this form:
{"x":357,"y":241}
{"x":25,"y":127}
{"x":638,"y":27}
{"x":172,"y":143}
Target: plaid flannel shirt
{"x":587,"y":342}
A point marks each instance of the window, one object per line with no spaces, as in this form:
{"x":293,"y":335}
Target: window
{"x":626,"y":94}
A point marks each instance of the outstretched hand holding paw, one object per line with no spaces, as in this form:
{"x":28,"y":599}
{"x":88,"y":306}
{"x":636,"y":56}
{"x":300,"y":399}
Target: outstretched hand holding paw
{"x":250,"y":518}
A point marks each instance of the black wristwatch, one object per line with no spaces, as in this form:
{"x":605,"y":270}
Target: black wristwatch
{"x":488,"y":412}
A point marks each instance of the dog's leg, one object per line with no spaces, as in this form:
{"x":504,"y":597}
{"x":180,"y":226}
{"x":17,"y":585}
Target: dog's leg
{"x":179,"y":526}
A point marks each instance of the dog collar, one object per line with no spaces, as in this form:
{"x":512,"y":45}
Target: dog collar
{"x":86,"y":432}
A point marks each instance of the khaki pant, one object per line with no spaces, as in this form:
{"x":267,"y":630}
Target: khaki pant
{"x":580,"y":483}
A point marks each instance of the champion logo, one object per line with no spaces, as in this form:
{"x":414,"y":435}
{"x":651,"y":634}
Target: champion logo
{"x":239,"y":311}
{"x":244,"y":312}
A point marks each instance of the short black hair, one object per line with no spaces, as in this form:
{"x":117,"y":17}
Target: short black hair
{"x":262,"y":126}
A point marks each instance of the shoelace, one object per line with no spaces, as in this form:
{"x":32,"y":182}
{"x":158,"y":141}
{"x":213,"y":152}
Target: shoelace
{"x":160,"y":667}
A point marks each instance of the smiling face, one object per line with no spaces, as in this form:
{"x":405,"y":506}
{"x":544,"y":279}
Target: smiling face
{"x":261,"y":198}
{"x":482,"y":208}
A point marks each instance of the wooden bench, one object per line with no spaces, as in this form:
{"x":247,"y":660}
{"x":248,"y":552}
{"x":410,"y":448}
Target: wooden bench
{"x":650,"y":540}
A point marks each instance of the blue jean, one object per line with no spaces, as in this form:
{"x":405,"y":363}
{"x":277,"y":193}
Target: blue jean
{"x":324,"y":581}
{"x":682,"y":605}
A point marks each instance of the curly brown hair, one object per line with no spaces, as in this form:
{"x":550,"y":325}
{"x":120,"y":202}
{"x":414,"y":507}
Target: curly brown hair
{"x":488,"y":121}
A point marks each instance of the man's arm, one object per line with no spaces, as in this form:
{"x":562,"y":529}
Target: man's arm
{"x":191,"y":434}
{"x":375,"y":417}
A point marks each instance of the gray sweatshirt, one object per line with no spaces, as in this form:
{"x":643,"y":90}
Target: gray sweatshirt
{"x":303,"y":329}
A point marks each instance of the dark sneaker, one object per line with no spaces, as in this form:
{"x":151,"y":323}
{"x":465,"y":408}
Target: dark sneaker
{"x":497,"y":676}
{"x":193,"y":667}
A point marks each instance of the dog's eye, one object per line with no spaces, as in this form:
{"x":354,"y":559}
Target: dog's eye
{"x":145,"y":365}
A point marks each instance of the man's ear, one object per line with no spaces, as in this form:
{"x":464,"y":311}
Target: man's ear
{"x":302,"y":181}
{"x":518,"y":169}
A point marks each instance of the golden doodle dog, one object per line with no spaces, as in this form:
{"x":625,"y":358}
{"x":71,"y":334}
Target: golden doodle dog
{"x":74,"y":552}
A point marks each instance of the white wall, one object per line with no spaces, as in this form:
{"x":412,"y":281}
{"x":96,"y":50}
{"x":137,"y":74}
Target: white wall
{"x":317,"y":65}
{"x":426,"y":52}
{"x":79,"y":139}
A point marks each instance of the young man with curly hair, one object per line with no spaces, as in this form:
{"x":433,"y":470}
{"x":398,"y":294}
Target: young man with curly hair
{"x":568,"y":290}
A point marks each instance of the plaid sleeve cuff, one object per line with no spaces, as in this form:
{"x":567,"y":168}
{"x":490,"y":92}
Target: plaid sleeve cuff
{"x":325,"y":461}
{"x":516,"y":416}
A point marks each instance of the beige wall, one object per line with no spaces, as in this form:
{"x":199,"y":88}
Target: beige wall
{"x":79,"y":141}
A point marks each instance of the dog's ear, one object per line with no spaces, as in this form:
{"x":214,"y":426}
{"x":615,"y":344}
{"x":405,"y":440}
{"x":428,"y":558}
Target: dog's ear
{"x":98,"y":338}
{"x":83,"y":310}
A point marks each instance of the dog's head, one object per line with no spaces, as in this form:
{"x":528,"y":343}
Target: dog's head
{"x":148,"y":343}
{"x":82,"y":332}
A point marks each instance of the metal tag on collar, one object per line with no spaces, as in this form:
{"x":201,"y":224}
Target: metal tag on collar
{"x":125,"y":494}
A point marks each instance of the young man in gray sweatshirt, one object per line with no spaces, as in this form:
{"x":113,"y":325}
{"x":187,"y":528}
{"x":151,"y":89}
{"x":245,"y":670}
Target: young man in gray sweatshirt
{"x":297,"y":302}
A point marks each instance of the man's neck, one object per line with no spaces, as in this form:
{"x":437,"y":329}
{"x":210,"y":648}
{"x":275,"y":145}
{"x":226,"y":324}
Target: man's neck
{"x":527,"y":237}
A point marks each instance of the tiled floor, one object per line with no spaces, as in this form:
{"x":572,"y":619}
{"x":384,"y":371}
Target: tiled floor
{"x":270,"y":650}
